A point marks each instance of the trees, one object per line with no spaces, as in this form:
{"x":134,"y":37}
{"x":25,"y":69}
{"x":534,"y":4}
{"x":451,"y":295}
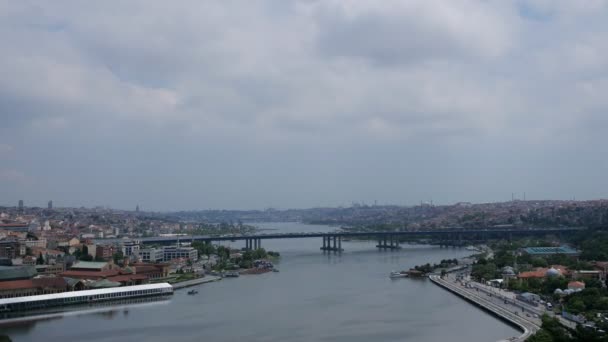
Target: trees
{"x":118,"y":256}
{"x":40,"y":259}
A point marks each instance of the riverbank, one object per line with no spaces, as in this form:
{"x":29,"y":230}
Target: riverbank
{"x":528,"y":328}
{"x":187,"y":283}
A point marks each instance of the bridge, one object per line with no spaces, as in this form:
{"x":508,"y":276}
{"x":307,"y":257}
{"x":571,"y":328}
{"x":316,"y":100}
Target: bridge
{"x":332,"y":241}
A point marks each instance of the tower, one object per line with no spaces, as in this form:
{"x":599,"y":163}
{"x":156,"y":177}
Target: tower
{"x":137,"y":208}
{"x":50,"y":205}
{"x":20,"y":204}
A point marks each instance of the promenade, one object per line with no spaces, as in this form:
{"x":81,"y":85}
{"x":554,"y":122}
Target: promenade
{"x":205,"y":279}
{"x":528,"y":325}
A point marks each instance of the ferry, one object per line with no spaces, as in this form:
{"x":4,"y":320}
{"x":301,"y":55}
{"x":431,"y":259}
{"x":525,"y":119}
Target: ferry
{"x":395,"y":274}
{"x":24,"y":303}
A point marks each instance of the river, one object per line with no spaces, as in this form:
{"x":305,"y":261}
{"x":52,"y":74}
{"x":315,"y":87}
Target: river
{"x":316,"y":296}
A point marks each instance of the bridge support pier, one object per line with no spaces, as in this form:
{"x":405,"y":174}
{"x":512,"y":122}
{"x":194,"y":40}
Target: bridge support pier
{"x":390,"y":242}
{"x":327,"y":243}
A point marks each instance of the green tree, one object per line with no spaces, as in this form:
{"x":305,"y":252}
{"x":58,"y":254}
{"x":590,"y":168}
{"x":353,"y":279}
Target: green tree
{"x":117,"y":257}
{"x":40,"y":259}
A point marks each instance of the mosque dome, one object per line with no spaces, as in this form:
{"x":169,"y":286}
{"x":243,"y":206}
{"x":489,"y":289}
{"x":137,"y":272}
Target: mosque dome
{"x":552,"y":272}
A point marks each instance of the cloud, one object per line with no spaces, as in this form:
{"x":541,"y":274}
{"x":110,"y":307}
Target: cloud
{"x":235,"y":78}
{"x":14,"y":176}
{"x":6,"y":149}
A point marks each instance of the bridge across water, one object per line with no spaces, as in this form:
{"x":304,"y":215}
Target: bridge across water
{"x":332,"y":241}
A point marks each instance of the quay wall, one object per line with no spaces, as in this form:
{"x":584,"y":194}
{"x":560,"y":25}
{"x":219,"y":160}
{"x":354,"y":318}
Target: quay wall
{"x":205,"y":279}
{"x":527,"y":328}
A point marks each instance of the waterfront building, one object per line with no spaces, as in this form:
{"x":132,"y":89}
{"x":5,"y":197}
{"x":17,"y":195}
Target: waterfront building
{"x":32,"y":287}
{"x":153,"y":271}
{"x":105,"y":270}
{"x":177,"y":252}
{"x":152,"y":255}
{"x":81,"y":297}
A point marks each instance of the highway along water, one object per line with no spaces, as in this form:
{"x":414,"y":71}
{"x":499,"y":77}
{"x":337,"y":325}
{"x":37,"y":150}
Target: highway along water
{"x":316,"y":296}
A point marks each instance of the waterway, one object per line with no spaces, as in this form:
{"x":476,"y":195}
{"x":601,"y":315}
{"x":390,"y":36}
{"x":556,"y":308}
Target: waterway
{"x":316,"y":296}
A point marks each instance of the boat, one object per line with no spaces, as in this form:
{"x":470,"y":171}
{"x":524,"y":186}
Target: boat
{"x":231,"y":274}
{"x":192,"y":292}
{"x":395,"y":274}
{"x":275,"y":270}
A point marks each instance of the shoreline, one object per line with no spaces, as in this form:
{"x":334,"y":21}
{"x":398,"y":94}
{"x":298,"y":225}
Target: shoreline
{"x":192,"y":282}
{"x":528,"y":328}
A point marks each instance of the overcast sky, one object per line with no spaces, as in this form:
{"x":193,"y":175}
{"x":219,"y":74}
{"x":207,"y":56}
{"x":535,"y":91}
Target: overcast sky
{"x":255,"y":104}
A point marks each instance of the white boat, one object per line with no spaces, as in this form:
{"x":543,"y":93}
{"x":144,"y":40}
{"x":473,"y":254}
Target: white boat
{"x":395,"y":274}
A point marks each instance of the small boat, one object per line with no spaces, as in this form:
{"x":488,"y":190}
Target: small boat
{"x":231,"y":274}
{"x":275,"y":270}
{"x":192,"y":292}
{"x":395,"y":274}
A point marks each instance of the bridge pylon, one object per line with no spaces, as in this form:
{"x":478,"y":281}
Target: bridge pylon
{"x":327,"y":243}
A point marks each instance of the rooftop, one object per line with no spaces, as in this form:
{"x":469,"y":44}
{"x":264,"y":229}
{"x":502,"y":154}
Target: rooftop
{"x":551,"y":250}
{"x":90,"y":265}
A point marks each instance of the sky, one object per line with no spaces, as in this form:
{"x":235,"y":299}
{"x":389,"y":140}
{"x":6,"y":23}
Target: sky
{"x":296,"y":104}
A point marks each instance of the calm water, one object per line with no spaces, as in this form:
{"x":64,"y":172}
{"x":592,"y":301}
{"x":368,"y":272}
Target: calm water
{"x":315,"y":297}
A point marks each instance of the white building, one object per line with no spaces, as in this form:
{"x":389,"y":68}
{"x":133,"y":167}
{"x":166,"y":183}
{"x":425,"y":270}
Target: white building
{"x":130,"y":248}
{"x":174,"y":252}
{"x":151,"y":255}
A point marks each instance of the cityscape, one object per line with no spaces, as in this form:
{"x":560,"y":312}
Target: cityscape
{"x":297,"y":170}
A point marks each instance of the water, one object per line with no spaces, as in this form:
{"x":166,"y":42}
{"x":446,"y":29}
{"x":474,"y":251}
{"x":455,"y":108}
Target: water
{"x":315,"y":297}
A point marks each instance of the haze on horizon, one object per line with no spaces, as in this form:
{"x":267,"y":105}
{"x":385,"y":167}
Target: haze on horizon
{"x":295,"y":104}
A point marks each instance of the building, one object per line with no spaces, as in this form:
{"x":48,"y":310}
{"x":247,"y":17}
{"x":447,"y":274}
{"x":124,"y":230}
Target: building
{"x":130,"y":248}
{"x":15,"y":227}
{"x":32,"y":287}
{"x":11,"y":248}
{"x":9,"y":273}
{"x":576,"y":285}
{"x":542,"y":273}
{"x":40,"y":243}
{"x":92,"y":266}
{"x":529,"y":298}
{"x":152,"y":255}
{"x":104,"y":252}
{"x":548,"y":251}
{"x":20,"y":204}
{"x":175,"y":252}
{"x":50,"y":205}
{"x":105,"y":270}
{"x":50,"y":269}
{"x":153,"y":271}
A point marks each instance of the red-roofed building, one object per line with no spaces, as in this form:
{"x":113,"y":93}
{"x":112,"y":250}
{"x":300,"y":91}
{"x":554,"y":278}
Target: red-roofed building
{"x":32,"y":287}
{"x":576,"y":285}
